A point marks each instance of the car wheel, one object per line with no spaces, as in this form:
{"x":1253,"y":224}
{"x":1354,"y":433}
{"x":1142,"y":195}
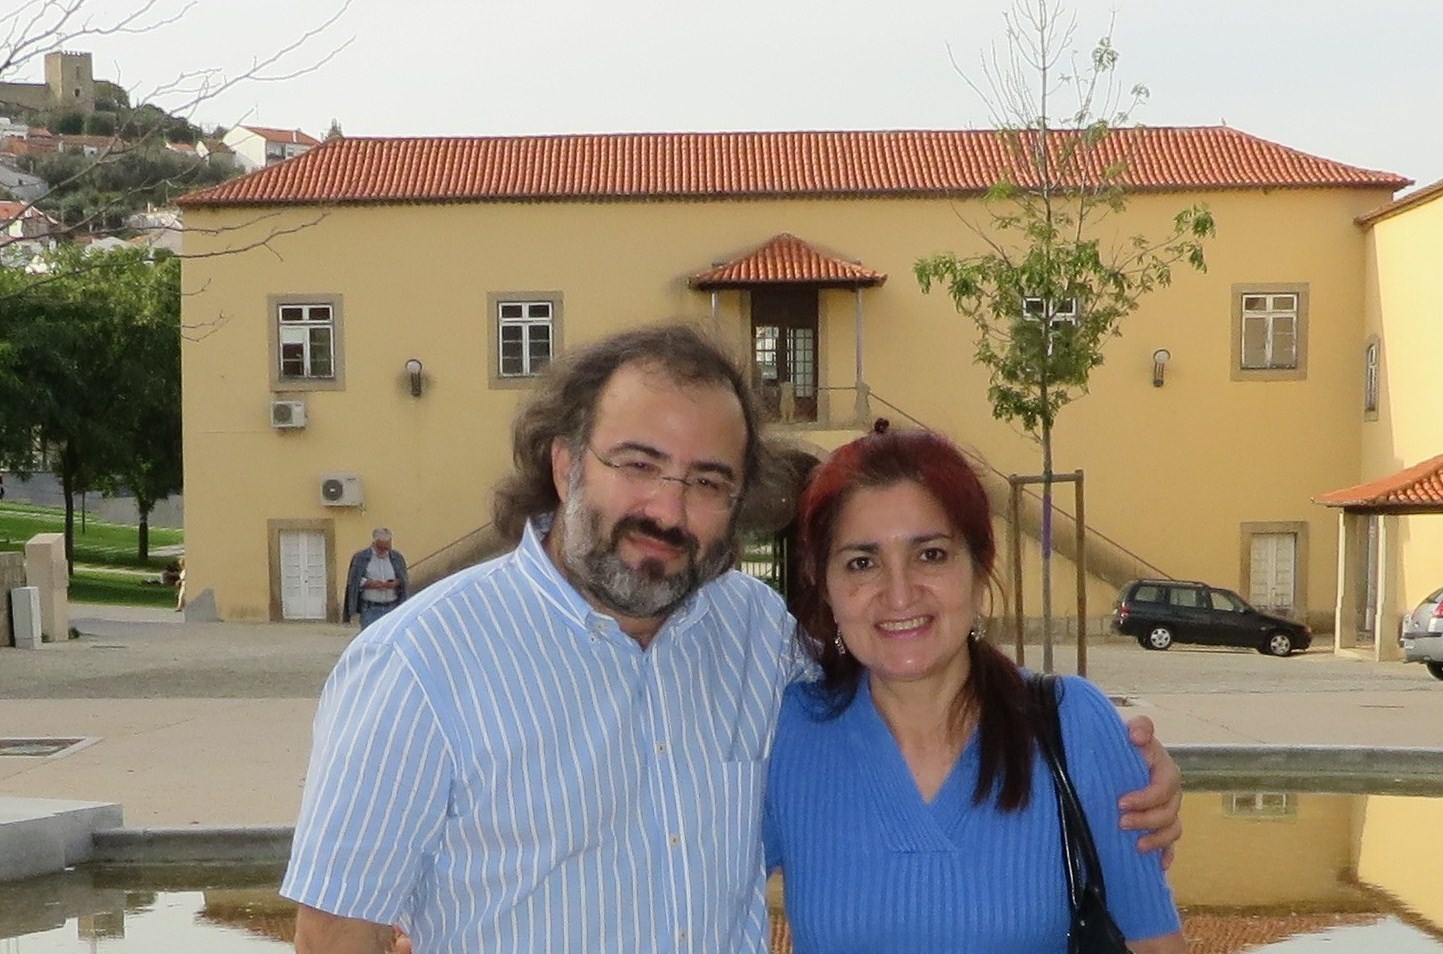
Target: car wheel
{"x":1159,"y":637}
{"x":1436,"y":668}
{"x":1278,"y":644}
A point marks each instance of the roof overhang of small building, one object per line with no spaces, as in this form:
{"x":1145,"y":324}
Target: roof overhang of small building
{"x":785,"y":260}
{"x":1413,"y":490}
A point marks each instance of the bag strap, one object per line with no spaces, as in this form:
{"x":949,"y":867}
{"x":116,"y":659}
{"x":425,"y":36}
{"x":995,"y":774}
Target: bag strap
{"x":1084,"y":869}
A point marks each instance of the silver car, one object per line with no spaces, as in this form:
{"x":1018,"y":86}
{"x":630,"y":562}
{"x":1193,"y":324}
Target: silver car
{"x":1422,"y":635}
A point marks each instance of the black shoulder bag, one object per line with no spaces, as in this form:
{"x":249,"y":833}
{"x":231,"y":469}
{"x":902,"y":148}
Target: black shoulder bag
{"x":1093,"y":931}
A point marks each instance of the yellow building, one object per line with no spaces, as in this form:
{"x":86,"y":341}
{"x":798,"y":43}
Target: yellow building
{"x":1391,"y":525}
{"x":363,"y":320}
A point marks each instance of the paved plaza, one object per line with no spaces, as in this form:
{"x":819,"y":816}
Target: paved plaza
{"x":209,"y":723}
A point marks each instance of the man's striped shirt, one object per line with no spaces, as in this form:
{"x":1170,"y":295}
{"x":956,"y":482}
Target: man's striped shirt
{"x":499,"y":768}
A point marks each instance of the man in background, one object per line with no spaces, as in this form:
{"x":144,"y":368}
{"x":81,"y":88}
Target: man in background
{"x":376,"y":582}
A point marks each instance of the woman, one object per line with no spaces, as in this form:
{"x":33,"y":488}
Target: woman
{"x":906,"y":803}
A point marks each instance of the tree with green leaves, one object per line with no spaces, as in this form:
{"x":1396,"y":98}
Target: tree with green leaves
{"x":150,"y":470}
{"x":90,"y":374}
{"x":1057,"y":272}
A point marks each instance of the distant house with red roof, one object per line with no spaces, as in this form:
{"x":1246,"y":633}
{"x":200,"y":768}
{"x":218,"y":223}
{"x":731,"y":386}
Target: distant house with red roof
{"x":796,"y":248}
{"x":21,"y":220}
{"x":26,"y":233}
{"x":256,"y":147}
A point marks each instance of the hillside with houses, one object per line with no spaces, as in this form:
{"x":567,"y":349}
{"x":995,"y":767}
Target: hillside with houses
{"x":79,"y":162}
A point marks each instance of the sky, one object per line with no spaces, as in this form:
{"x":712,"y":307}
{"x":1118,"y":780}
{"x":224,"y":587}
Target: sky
{"x":1351,"y":81}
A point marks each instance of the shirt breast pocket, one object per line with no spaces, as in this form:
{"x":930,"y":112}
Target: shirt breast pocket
{"x":728,"y":824}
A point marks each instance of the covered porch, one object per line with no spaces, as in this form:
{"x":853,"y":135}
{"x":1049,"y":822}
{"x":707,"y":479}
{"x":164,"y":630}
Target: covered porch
{"x":781,"y":283}
{"x":1370,"y":607}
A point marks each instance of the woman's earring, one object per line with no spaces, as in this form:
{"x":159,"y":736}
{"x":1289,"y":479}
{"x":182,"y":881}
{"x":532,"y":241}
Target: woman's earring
{"x":841,"y":646}
{"x":978,"y":632}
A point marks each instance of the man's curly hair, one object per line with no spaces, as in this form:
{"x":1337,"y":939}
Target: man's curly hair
{"x":564,"y":406}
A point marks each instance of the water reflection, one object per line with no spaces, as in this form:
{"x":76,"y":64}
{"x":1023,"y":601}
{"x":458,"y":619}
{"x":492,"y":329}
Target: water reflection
{"x":1259,"y":871}
{"x":232,"y":910}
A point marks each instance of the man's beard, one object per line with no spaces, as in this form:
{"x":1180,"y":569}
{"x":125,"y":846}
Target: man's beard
{"x":639,"y":592}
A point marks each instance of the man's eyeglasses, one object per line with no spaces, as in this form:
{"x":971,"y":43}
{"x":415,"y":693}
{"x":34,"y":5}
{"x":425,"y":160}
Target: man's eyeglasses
{"x":706,"y":491}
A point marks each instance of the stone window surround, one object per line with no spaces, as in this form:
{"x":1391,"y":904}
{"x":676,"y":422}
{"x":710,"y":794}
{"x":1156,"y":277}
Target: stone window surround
{"x":493,"y":333}
{"x":338,"y":338}
{"x":1236,"y":369}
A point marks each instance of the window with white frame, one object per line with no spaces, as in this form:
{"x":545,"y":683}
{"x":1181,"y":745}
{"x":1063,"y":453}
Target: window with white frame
{"x":1260,"y":804}
{"x":306,"y":338}
{"x":1370,"y":378}
{"x":1055,"y":311}
{"x":524,"y":337}
{"x":1270,"y":331}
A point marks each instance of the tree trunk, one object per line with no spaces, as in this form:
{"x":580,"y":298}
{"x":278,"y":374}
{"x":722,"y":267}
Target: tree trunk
{"x":142,"y":546}
{"x":67,"y":488}
{"x":1046,"y":544}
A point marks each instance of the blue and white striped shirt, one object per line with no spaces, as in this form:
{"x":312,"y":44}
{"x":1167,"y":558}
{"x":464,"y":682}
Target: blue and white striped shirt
{"x":498,"y":767}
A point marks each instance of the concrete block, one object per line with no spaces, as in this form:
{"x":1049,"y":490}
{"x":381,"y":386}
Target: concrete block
{"x":29,"y":847}
{"x":46,"y":569}
{"x":41,"y":835}
{"x":25,"y":617}
{"x":12,"y":574}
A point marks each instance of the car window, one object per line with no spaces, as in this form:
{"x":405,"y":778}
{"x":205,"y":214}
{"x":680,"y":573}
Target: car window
{"x":1434,"y":597}
{"x":1148,"y":593}
{"x":1226,"y":602}
{"x":1187,"y":596}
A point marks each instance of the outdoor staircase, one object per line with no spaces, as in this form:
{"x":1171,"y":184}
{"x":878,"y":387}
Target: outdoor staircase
{"x":1107,"y":560}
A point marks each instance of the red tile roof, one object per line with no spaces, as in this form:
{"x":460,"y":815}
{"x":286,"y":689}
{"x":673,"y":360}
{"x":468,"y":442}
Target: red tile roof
{"x":10,"y":211}
{"x":756,"y":164}
{"x":1413,"y":199}
{"x":1414,"y":489}
{"x":283,"y":135}
{"x":786,"y":259}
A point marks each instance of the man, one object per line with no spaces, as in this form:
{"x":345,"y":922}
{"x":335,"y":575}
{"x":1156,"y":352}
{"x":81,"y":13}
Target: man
{"x":376,"y":582}
{"x":563,"y":749}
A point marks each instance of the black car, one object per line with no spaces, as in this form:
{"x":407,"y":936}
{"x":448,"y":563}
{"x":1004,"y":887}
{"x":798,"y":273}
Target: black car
{"x":1159,"y":613}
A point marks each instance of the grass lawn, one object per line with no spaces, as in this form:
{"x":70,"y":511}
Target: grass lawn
{"x":90,"y":585}
{"x":104,"y":544}
{"x":99,"y":547}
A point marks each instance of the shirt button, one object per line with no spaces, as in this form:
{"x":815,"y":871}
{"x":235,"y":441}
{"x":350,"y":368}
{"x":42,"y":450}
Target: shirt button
{"x":661,"y":748}
{"x":681,"y":936}
{"x":674,"y":841}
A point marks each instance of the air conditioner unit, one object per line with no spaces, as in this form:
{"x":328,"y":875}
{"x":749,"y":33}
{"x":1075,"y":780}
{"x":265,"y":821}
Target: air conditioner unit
{"x":341,"y":490}
{"x":286,"y":414}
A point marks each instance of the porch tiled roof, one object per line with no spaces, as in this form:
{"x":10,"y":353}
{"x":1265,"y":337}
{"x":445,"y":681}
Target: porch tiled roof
{"x":1417,"y":488}
{"x":787,"y":260}
{"x":639,"y":166}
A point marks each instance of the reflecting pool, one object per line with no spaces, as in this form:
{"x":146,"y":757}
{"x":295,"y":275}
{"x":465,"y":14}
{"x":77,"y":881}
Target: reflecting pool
{"x":1288,"y":872}
{"x":230,"y":910}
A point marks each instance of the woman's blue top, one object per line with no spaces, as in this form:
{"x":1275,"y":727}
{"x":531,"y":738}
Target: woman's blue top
{"x":869,"y":866}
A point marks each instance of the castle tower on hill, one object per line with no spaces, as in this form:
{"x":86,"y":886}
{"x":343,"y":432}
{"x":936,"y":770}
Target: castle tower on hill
{"x":70,"y":84}
{"x":70,"y":79}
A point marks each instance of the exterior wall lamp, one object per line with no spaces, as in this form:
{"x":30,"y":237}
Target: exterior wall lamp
{"x":1160,"y":358}
{"x":413,"y":368}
